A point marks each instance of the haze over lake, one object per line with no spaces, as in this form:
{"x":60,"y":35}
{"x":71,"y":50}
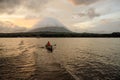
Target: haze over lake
{"x":71,"y":59}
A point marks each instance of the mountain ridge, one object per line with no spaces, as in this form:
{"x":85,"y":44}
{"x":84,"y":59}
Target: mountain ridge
{"x":50,"y":29}
{"x":49,"y":25}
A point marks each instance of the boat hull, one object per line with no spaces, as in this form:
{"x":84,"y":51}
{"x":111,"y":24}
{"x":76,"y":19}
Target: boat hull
{"x":49,"y":48}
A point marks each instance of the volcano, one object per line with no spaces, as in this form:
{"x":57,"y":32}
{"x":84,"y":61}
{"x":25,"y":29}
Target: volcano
{"x":49,"y":25}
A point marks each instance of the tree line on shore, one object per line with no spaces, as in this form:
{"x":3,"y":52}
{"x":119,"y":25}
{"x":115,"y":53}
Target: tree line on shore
{"x":58,"y":34}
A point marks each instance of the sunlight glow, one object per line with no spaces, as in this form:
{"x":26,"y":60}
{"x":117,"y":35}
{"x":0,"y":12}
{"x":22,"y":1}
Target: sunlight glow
{"x":28,"y":23}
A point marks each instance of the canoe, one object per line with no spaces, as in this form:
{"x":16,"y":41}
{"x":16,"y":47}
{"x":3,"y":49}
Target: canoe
{"x":49,"y":48}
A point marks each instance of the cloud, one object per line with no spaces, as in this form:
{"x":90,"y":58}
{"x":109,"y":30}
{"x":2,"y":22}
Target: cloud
{"x":8,"y":27}
{"x":35,"y":5}
{"x":91,"y":13}
{"x":111,"y":26}
{"x":82,"y":2}
{"x":105,"y":21}
{"x":8,"y":6}
{"x":99,"y":26}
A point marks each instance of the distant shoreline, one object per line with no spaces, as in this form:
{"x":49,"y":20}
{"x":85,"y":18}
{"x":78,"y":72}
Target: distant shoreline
{"x":59,"y":35}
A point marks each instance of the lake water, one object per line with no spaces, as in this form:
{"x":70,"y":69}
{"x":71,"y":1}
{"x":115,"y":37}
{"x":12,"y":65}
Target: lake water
{"x":72,"y":59}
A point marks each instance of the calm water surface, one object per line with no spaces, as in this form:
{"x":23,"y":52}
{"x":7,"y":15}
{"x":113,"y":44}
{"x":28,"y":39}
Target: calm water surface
{"x":72,"y":59}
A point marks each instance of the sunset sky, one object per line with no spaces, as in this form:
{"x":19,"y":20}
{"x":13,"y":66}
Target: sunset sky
{"x":77,"y":15}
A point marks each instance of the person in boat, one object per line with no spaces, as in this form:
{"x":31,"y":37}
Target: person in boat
{"x":49,"y":47}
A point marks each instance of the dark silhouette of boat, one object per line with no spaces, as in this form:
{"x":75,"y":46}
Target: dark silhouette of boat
{"x":49,"y":47}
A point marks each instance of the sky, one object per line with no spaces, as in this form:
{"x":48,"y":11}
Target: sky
{"x":99,"y":16}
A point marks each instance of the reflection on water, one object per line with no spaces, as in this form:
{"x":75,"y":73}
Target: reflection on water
{"x":72,"y":59}
{"x":16,"y":67}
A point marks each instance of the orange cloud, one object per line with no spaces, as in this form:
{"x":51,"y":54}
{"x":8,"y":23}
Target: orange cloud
{"x":25,"y":22}
{"x":82,"y":2}
{"x":28,"y":23}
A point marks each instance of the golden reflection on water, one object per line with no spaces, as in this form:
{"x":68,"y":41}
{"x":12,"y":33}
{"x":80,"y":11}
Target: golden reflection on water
{"x":72,"y":58}
{"x":17,"y":62}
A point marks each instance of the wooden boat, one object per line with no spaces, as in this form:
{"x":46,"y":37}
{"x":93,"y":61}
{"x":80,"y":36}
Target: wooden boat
{"x":49,"y":47}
